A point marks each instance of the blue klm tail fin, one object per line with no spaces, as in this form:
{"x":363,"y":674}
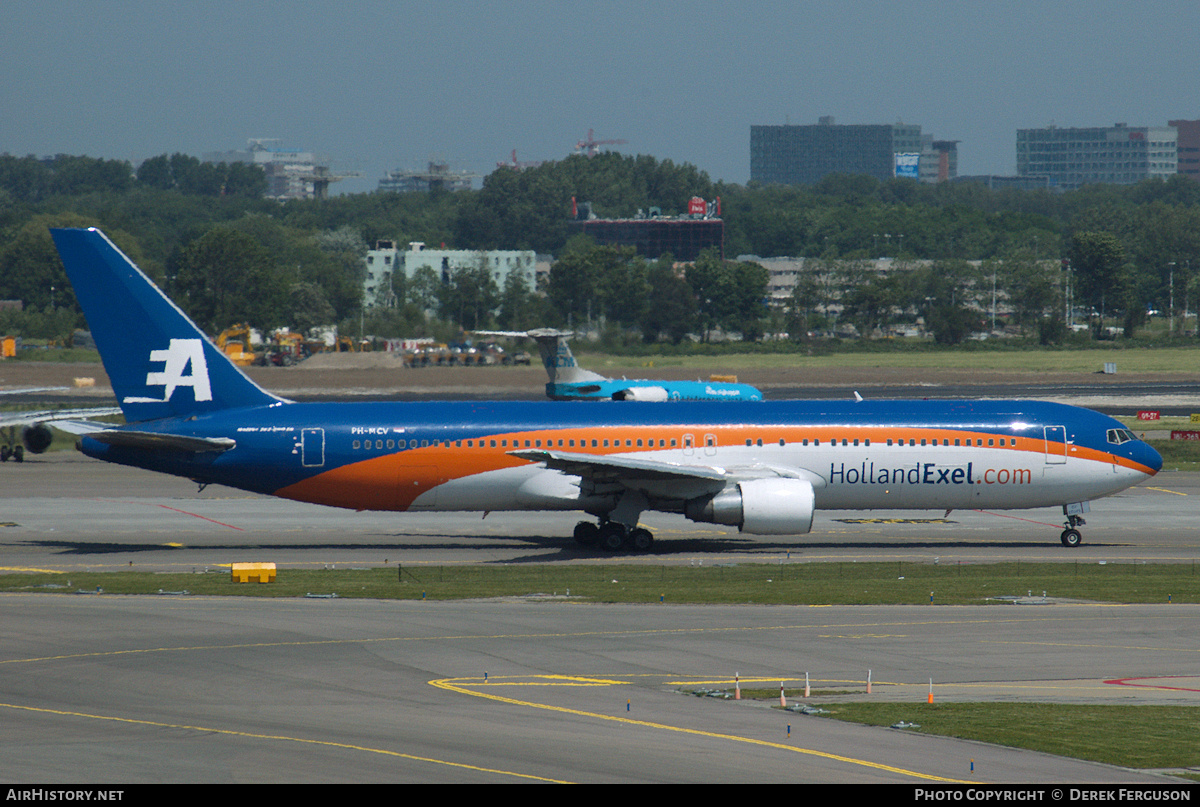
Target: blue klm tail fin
{"x":160,"y":364}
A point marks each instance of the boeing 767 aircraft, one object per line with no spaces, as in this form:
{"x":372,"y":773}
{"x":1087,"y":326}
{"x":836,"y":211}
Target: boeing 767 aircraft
{"x":764,"y":467}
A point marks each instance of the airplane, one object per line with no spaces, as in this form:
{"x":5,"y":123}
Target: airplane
{"x":763,"y":467}
{"x":570,"y":382}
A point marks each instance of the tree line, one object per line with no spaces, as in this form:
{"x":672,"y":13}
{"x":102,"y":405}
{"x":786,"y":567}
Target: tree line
{"x":227,"y":254}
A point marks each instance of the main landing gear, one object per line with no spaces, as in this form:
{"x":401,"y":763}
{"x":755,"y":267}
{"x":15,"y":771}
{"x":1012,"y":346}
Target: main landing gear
{"x":1070,"y":536}
{"x":613,"y":536}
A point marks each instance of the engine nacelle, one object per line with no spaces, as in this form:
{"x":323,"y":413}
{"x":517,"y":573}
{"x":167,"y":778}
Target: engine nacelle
{"x":760,"y":507}
{"x":642,"y":394}
{"x":36,"y":437}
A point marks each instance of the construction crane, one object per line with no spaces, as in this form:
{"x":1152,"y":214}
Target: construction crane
{"x":591,"y":146}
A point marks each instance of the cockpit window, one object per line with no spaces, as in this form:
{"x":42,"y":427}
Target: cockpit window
{"x":1118,"y":436}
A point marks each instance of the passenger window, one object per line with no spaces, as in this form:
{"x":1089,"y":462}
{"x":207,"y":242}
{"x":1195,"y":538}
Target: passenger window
{"x":355,"y":444}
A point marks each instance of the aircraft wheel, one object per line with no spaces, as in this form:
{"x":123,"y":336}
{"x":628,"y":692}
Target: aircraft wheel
{"x":1071,"y":537}
{"x":641,"y":539}
{"x":612,"y":536}
{"x":586,"y":533}
{"x":19,"y":453}
{"x":5,"y":451}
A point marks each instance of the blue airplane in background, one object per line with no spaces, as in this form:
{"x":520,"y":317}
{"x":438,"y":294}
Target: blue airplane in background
{"x":763,"y":467}
{"x":570,"y":382}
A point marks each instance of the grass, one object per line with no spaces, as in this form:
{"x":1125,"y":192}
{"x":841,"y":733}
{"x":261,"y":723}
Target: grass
{"x":1178,"y":455}
{"x":1129,"y":736}
{"x":780,"y":584}
{"x":1133,"y":736}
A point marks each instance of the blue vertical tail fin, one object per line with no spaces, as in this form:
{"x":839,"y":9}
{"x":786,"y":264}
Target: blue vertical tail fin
{"x":160,"y":364}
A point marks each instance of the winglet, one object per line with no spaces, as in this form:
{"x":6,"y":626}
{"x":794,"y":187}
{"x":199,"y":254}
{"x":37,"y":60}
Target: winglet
{"x":160,"y":364}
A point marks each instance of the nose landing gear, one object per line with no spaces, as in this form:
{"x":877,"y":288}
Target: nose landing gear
{"x":1071,"y":536}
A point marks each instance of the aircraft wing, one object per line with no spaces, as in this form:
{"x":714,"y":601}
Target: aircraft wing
{"x":658,"y":477}
{"x":60,"y":417}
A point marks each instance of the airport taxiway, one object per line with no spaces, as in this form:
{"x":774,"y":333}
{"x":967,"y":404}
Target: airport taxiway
{"x":171,"y":689}
{"x":101,"y":688}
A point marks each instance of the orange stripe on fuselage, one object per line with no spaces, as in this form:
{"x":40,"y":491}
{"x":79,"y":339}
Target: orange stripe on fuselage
{"x":394,"y":480}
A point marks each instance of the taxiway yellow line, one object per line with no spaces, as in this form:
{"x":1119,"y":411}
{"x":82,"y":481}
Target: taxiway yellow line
{"x":455,"y":685}
{"x":281,"y":738}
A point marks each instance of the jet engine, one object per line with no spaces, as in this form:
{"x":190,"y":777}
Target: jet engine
{"x":760,"y":506}
{"x":642,"y":394}
{"x":36,"y":437}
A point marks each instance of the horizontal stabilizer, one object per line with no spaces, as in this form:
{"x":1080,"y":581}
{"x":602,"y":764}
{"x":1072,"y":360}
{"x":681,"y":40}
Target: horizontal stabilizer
{"x":162,"y":442}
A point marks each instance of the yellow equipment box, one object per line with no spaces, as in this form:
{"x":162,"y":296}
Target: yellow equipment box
{"x":253,"y":572}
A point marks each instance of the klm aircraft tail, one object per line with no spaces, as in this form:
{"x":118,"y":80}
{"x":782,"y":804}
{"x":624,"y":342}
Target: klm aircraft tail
{"x":160,"y":364}
{"x":556,"y":355}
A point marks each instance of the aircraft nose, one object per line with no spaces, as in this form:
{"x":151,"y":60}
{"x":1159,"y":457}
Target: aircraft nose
{"x":1144,"y":454}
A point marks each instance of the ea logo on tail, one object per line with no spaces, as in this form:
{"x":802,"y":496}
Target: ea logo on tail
{"x":176,"y":359}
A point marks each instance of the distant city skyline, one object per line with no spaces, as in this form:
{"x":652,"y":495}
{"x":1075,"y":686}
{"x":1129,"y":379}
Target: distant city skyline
{"x":385,"y":85}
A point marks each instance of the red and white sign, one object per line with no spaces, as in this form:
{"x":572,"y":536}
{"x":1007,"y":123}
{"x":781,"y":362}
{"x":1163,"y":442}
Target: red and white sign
{"x":1185,"y":435}
{"x":1148,"y":414}
{"x":697,"y":206}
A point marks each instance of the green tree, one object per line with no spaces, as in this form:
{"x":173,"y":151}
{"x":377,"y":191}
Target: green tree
{"x":225,"y":277}
{"x":671,"y":303}
{"x":1104,"y":278}
{"x":730,"y":295}
{"x":469,"y":297}
{"x":31,"y":271}
{"x":307,"y":307}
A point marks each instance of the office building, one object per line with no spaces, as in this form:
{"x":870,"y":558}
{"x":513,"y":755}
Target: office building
{"x":1188,"y":147}
{"x":803,"y":155}
{"x":387,"y":261}
{"x":1118,"y":155}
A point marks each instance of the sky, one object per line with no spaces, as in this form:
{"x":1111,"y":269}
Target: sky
{"x":379,"y":86}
